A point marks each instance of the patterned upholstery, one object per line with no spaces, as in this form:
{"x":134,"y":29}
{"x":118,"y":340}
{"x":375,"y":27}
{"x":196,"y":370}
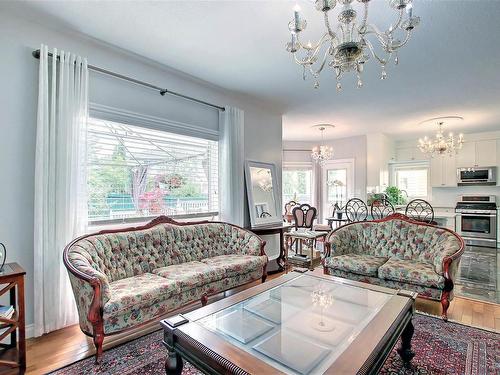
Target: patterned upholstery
{"x":147,"y":272}
{"x":415,"y":254}
{"x":233,"y":264}
{"x":422,"y":291}
{"x":190,"y":275}
{"x":411,"y":272}
{"x":355,"y":263}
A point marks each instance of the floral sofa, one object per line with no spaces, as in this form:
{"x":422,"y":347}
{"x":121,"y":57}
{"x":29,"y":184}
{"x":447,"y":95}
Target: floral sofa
{"x":124,"y":278}
{"x":398,"y":253}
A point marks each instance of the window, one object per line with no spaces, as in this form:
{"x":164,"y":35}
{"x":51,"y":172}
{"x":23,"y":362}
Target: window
{"x":412,"y":178}
{"x":136,"y":172}
{"x":336,"y":185}
{"x":297,"y":185}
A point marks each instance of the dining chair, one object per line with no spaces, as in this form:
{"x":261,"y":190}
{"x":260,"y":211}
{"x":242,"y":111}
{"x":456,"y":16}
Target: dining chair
{"x":356,"y":210}
{"x":304,"y":216}
{"x":420,"y":210}
{"x":289,"y":206}
{"x":381,"y":208}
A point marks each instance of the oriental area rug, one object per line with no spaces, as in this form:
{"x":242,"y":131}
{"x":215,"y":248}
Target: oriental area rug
{"x":440,"y":348}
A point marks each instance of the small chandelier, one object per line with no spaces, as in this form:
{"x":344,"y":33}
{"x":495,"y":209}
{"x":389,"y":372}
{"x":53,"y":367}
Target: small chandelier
{"x":265,"y":181}
{"x":441,"y":144}
{"x":322,"y":153}
{"x":346,"y":47}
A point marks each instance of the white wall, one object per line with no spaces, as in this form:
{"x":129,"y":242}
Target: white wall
{"x":344,"y":148}
{"x":379,"y":151}
{"x":18,"y":98}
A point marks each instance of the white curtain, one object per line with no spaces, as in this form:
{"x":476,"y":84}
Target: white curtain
{"x":60,"y":183}
{"x":231,"y":165}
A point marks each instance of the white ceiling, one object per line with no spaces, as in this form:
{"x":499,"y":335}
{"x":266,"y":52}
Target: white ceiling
{"x":450,"y":67}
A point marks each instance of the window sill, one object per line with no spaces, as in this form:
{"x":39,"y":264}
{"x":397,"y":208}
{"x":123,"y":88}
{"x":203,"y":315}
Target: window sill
{"x":95,"y":227}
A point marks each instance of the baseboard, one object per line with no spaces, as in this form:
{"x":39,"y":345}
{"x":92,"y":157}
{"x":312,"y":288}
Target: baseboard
{"x":30,"y":331}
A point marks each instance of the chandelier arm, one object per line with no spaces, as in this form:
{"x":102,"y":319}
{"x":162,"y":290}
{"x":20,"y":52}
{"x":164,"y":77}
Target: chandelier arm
{"x":398,"y":23}
{"x":365,"y":17}
{"x":372,"y":29}
{"x":315,"y":73}
{"x":316,"y":46}
{"x":407,"y":38}
{"x":328,"y":27}
{"x":370,"y":47}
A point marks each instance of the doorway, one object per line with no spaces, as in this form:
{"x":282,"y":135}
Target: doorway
{"x":337,"y":184}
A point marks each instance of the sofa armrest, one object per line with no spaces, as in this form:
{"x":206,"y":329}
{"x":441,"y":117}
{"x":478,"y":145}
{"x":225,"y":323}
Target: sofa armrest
{"x":341,"y":241}
{"x":90,"y":286}
{"x":447,"y":255}
{"x":254,"y":245}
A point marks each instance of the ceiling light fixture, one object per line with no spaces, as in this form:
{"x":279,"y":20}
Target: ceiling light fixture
{"x":441,"y":144}
{"x":322,"y":153}
{"x":346,"y":48}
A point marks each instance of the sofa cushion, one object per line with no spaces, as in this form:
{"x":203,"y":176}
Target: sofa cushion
{"x":234,"y":264}
{"x":142,"y":290}
{"x":356,"y":263}
{"x":411,"y":271}
{"x":191,"y":274}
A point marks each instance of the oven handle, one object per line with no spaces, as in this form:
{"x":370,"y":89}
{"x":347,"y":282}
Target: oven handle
{"x":482,"y":215}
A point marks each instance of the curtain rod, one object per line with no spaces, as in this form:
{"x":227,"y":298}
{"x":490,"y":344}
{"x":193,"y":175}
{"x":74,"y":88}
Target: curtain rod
{"x":163,"y":91}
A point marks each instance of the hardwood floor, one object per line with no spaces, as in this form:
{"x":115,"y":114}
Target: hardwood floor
{"x":65,"y":346}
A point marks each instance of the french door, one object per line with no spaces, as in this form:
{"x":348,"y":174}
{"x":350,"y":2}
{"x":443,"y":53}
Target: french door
{"x":337,"y":184}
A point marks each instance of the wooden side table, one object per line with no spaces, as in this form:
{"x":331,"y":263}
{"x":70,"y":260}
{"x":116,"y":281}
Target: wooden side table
{"x":308,"y":237}
{"x":275,"y":229}
{"x":12,"y":280}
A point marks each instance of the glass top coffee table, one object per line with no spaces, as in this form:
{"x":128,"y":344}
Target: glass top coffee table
{"x":295,"y":324}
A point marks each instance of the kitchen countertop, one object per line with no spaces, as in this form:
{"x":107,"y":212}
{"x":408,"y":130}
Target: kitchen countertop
{"x":439,"y":214}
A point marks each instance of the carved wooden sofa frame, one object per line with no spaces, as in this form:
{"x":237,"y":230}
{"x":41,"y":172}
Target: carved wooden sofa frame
{"x":95,"y":315}
{"x":447,"y":261}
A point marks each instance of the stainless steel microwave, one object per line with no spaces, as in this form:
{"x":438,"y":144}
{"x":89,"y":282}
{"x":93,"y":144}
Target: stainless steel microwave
{"x":477,"y":176}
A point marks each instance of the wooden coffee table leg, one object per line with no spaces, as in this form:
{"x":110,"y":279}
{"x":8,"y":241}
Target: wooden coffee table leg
{"x":405,"y":351}
{"x":173,"y":363}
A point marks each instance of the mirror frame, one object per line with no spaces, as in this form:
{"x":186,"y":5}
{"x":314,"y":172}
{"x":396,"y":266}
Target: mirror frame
{"x":251,"y":203}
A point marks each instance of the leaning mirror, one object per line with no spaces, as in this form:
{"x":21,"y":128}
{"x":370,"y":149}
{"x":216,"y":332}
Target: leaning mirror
{"x":262,"y":193}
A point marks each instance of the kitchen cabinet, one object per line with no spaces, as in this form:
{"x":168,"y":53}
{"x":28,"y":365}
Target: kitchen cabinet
{"x":410,"y":153}
{"x":478,"y":154}
{"x":443,"y":171}
{"x":486,"y":153}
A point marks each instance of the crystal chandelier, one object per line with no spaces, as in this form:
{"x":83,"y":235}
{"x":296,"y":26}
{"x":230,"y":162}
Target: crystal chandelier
{"x":322,"y":153}
{"x":441,"y":144}
{"x":265,"y":181}
{"x":346,"y":48}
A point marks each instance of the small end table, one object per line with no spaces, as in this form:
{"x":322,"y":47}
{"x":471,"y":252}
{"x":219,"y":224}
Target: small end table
{"x":308,"y":237}
{"x":12,"y":280}
{"x":339,"y":221}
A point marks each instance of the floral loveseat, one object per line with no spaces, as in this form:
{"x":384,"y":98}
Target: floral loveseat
{"x":124,"y":278}
{"x":396,"y":252}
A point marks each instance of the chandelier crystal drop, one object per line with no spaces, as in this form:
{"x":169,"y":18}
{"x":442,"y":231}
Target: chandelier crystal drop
{"x":441,"y":144}
{"x":347,"y":47}
{"x":322,"y":153}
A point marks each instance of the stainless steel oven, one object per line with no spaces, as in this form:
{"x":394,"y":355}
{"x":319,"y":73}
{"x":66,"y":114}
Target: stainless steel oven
{"x":477,"y":176}
{"x":476,"y":220}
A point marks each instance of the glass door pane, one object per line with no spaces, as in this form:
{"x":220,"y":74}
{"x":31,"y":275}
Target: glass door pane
{"x":336,"y":185}
{"x":297,"y":186}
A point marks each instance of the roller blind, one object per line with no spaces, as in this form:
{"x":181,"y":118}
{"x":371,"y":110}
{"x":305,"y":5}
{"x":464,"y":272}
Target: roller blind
{"x":136,"y":172}
{"x":413,"y":178}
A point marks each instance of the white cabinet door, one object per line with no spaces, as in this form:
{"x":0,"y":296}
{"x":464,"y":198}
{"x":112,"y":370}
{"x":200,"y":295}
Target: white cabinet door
{"x":436,"y":172}
{"x":410,"y":153}
{"x":449,"y":171}
{"x":486,"y":153}
{"x":466,"y":157}
{"x":404,"y":154}
{"x":443,"y":171}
